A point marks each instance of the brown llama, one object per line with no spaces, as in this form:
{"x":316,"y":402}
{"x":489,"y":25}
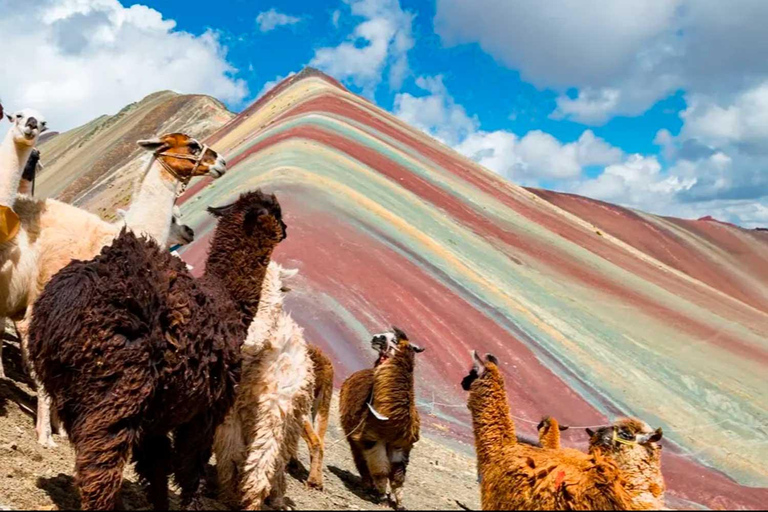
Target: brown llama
{"x":381,"y":441}
{"x":549,"y":433}
{"x":516,"y":476}
{"x":132,"y":347}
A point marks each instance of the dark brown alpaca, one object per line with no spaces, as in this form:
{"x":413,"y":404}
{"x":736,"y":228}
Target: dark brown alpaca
{"x":381,"y":446}
{"x":131,"y":347}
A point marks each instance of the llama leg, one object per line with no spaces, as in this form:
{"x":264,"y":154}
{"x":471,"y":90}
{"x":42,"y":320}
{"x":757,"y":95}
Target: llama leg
{"x":315,"y":446}
{"x":229,"y":447}
{"x":99,"y":464}
{"x":276,"y":499}
{"x":2,"y":335}
{"x":316,"y":471}
{"x":153,"y":456}
{"x":378,"y":463}
{"x":43,"y":421}
{"x":362,"y":466}
{"x":193,"y":444}
{"x":398,"y":461}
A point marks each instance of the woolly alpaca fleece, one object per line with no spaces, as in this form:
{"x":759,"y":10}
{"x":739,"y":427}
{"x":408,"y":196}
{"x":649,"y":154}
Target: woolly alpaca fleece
{"x":132,"y":347}
{"x":515,"y":476}
{"x":262,"y":431}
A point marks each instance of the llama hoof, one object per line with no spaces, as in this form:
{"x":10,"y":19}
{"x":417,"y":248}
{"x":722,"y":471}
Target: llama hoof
{"x":46,"y":441}
{"x":314,"y":484}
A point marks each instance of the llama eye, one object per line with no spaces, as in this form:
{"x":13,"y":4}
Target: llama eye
{"x":626,"y":435}
{"x":18,"y":116}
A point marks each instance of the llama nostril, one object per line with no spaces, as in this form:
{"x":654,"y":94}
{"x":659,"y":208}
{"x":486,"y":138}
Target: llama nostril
{"x":32,"y":123}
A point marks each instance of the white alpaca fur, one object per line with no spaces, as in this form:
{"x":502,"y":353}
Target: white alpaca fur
{"x":262,"y":430}
{"x":54,"y":233}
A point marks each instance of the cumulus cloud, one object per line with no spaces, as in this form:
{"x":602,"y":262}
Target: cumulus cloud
{"x":535,"y":156}
{"x":74,"y":61}
{"x":436,"y":113}
{"x":381,"y":40}
{"x":272,"y":19}
{"x":622,"y":55}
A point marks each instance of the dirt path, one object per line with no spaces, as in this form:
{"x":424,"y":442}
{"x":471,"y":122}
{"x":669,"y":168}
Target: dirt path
{"x":32,"y":477}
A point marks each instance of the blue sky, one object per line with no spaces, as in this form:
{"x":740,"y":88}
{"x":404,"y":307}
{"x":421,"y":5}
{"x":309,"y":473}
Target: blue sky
{"x":661,"y":106}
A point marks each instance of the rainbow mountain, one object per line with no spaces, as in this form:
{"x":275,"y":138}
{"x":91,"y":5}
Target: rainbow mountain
{"x":594,"y":310}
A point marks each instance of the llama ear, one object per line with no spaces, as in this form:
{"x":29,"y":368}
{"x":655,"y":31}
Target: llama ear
{"x":563,"y":427}
{"x":541,"y":424}
{"x":399,"y":333}
{"x":10,"y":117}
{"x":220,"y":211}
{"x":653,"y":437}
{"x":417,"y":348}
{"x":288,"y":273}
{"x":492,"y":359}
{"x":150,"y":144}
{"x":590,"y":432}
{"x":477,"y":364}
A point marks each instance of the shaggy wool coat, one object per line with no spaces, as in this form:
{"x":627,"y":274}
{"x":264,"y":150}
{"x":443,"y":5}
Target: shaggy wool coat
{"x":262,"y":431}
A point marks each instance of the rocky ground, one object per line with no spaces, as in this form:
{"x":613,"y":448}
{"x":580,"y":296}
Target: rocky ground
{"x":33,"y":477}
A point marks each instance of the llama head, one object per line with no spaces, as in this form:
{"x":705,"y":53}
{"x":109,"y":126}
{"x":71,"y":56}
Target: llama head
{"x":180,"y":234}
{"x":626,"y":437}
{"x":547,"y":423}
{"x":480,"y":369}
{"x":390,"y":342}
{"x":27,"y":126}
{"x":254,"y":215}
{"x":184,"y":157}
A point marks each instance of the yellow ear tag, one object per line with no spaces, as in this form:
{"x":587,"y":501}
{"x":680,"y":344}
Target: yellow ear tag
{"x":9,"y":224}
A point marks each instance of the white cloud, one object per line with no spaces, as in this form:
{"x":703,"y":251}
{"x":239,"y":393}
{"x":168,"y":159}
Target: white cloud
{"x":436,"y":113}
{"x":383,"y":39}
{"x":622,"y":55}
{"x":272,"y":19}
{"x":270,"y":84}
{"x":535,"y":156}
{"x":75,"y":60}
{"x":637,"y":182}
{"x":743,"y":120}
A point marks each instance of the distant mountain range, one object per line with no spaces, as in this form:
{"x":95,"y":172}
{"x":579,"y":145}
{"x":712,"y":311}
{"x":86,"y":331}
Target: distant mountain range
{"x":594,"y":310}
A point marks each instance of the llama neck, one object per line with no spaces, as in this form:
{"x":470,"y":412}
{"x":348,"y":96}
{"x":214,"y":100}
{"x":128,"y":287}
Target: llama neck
{"x":491,"y":422}
{"x":151,"y":210}
{"x":239,"y":267}
{"x":551,"y":436}
{"x":393,"y":387}
{"x":13,"y":158}
{"x":268,"y":312}
{"x":641,"y":467}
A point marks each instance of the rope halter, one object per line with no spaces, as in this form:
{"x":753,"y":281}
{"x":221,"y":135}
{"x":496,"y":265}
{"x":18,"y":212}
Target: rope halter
{"x":619,"y":440}
{"x":184,"y":180}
